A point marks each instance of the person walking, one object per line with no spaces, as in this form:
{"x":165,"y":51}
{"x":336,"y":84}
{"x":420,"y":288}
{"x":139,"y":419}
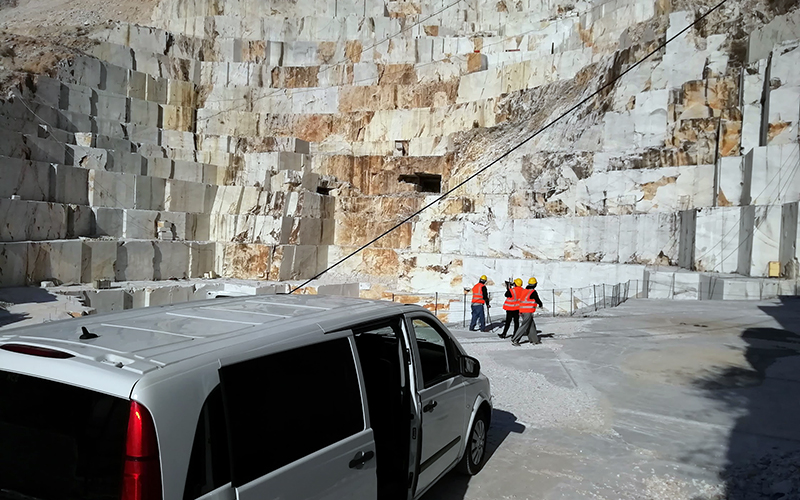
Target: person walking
{"x":530,"y":301}
{"x":514,"y":292}
{"x":480,"y":297}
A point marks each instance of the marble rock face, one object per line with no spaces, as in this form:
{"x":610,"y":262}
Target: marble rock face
{"x":268,"y":143}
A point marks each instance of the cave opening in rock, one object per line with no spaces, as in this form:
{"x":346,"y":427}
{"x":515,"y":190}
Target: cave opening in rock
{"x":426,"y":183}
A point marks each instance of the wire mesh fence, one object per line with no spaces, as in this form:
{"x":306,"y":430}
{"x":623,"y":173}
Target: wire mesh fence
{"x":454,"y":308}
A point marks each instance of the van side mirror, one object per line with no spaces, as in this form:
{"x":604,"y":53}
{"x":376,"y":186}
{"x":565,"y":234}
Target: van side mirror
{"x":470,"y":367}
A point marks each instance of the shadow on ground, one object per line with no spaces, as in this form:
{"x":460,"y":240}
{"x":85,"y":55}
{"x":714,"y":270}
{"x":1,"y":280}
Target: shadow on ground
{"x":20,"y":295}
{"x":763,"y":457}
{"x":453,"y":486}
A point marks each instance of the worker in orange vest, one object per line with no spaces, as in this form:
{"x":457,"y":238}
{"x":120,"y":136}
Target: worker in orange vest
{"x":514,"y":292}
{"x":480,"y":297}
{"x":530,"y":300}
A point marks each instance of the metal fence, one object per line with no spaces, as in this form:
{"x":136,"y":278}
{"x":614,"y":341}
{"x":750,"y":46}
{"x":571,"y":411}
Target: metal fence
{"x":455,"y":308}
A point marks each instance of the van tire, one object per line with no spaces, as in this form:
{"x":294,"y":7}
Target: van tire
{"x":475,"y":452}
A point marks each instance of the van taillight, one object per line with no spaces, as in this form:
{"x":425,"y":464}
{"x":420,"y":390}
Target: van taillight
{"x":141,"y":476}
{"x":33,"y":350}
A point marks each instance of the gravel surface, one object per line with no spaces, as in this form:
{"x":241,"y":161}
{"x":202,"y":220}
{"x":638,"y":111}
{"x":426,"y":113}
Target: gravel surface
{"x":536,"y":402}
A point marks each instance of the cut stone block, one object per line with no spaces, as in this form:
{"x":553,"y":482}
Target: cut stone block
{"x":134,"y":261}
{"x":766,"y":239}
{"x":171,"y":260}
{"x":58,"y":261}
{"x":109,"y":106}
{"x":144,"y":113}
{"x":69,"y":185}
{"x":150,"y":193}
{"x":46,"y":150}
{"x":89,"y":157}
{"x":182,"y":196}
{"x":27,"y":179}
{"x":227,"y":200}
{"x":201,"y":258}
{"x":80,"y":221}
{"x":156,"y":90}
{"x":222,"y":227}
{"x":32,"y":220}
{"x":145,"y":134}
{"x":108,"y":221}
{"x":160,"y":167}
{"x":250,"y":261}
{"x":304,"y":264}
{"x":188,"y":171}
{"x":111,"y":189}
{"x":13,"y":263}
{"x":181,"y":225}
{"x":125,"y":162}
{"x":104,"y":301}
{"x":139,"y":224}
{"x":97,"y":260}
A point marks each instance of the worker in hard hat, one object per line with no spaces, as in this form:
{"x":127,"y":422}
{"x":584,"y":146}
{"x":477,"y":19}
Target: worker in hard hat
{"x":514,"y":292}
{"x":527,"y":307}
{"x":480,"y":298}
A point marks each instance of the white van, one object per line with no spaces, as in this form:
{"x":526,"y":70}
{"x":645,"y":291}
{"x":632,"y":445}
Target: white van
{"x":268,"y":397}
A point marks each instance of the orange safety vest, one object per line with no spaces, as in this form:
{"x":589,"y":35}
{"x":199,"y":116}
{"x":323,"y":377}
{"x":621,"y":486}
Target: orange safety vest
{"x":477,"y":294}
{"x":512,"y":303}
{"x":528,"y":304}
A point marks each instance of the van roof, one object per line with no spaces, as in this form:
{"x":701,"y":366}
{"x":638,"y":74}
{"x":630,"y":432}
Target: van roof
{"x":134,"y":342}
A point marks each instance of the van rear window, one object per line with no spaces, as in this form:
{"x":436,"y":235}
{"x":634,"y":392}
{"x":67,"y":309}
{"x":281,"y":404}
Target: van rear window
{"x":59,"y":441}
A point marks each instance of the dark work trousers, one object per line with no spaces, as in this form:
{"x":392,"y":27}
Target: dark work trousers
{"x":528,"y":327}
{"x":477,"y":317}
{"x":511,"y":315}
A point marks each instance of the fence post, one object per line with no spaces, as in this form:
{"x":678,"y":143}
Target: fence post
{"x":436,"y":303}
{"x":672,"y":294}
{"x":571,"y":301}
{"x":637,"y":289}
{"x":761,"y":290}
{"x":594,"y":296}
{"x":554,"y":301}
{"x":604,"y":295}
{"x":464,"y":324}
{"x":392,"y":297}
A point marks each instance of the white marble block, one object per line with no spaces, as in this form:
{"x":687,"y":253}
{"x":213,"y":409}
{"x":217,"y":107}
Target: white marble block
{"x":97,"y":260}
{"x":111,"y":189}
{"x":134,"y":261}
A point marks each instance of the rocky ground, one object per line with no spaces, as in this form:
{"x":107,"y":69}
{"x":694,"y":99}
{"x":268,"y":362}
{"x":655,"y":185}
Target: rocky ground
{"x":652,"y":400}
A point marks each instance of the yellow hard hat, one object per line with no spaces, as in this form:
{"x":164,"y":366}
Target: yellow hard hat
{"x":518,"y":282}
{"x":532,"y":281}
{"x":484,"y":278}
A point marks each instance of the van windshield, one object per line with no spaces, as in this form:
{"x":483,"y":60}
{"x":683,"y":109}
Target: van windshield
{"x":59,"y":441}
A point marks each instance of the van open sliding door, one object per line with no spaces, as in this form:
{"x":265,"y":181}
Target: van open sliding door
{"x":297,"y":426}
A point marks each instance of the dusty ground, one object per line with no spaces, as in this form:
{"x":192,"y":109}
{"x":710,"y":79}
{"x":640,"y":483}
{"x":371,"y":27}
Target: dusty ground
{"x":652,"y":400}
{"x":656,"y":399}
{"x":36,"y":34}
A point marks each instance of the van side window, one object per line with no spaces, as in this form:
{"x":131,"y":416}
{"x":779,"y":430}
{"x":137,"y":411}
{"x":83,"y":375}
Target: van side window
{"x":287,"y":405}
{"x":436,"y":352}
{"x":209,"y":465}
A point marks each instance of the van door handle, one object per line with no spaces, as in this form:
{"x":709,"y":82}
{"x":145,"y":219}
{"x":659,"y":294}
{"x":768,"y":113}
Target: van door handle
{"x":361,"y":458}
{"x":429,"y":407}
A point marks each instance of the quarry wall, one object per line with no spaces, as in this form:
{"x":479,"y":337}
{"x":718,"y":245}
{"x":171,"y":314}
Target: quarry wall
{"x":269,"y":141}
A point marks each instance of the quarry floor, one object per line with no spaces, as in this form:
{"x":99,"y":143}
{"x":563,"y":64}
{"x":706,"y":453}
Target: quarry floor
{"x":654,"y":399}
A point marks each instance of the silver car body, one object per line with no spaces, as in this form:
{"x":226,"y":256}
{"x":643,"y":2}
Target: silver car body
{"x":170,"y":358}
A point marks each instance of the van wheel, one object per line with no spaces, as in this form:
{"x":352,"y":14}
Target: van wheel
{"x":474,"y":455}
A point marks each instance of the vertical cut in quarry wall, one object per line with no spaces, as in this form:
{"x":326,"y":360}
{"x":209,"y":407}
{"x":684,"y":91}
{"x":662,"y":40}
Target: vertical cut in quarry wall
{"x":269,"y":140}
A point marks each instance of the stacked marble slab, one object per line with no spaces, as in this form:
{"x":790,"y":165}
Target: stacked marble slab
{"x":103,"y":177}
{"x":187,"y":130}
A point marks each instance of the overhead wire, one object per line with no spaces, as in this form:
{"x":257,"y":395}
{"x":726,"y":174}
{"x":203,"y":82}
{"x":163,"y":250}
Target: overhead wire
{"x":478,"y":172}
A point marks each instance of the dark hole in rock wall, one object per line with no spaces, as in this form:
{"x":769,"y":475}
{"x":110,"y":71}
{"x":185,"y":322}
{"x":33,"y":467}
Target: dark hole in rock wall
{"x":324,"y":190}
{"x":426,"y":183}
